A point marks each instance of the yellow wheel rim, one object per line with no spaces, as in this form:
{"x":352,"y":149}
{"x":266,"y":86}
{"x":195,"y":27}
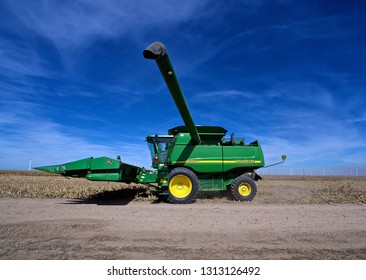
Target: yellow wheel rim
{"x":244,"y":189}
{"x":180,"y":186}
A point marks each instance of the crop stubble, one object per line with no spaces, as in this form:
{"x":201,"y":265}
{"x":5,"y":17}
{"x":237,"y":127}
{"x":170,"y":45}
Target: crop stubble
{"x":272,"y":189}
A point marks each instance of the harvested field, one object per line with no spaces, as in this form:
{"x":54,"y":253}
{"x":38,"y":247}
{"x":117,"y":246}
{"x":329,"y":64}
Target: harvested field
{"x":272,"y":189}
{"x":45,"y":216}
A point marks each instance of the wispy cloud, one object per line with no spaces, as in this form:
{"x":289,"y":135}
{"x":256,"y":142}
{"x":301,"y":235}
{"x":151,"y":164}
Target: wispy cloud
{"x":75,"y":24}
{"x":21,"y":59}
{"x":224,"y":94}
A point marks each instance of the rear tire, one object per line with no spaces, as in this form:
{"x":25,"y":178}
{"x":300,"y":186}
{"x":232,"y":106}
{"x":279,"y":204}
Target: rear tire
{"x":183,"y":186}
{"x":243,"y":188}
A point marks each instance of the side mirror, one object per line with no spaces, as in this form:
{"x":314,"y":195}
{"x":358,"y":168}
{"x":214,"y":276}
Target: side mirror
{"x":284,"y":157}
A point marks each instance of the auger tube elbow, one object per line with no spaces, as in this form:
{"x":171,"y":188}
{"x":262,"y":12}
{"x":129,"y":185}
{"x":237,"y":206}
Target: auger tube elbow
{"x":155,"y":51}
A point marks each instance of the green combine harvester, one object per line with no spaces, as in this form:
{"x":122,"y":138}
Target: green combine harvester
{"x":187,"y":160}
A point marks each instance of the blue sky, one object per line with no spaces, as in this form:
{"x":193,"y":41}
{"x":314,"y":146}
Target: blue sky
{"x":74,"y":83}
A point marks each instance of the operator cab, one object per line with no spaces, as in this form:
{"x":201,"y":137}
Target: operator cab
{"x":159,"y":147}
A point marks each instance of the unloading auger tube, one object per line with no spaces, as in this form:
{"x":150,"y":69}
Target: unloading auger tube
{"x":159,"y":53}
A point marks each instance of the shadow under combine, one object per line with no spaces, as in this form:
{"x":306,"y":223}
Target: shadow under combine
{"x":125,"y":196}
{"x":116,"y":197}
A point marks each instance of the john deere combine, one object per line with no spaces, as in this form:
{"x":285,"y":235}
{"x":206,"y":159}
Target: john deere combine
{"x":187,"y":160}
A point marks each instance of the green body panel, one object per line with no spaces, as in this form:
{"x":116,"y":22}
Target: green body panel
{"x":198,"y":158}
{"x":242,"y":157}
{"x":211,"y":182}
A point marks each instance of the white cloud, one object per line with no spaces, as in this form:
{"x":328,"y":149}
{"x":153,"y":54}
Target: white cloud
{"x":222,"y":94}
{"x":75,"y":24}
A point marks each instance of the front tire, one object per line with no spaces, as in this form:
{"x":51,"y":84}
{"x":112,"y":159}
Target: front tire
{"x":183,"y":186}
{"x":243,"y":188}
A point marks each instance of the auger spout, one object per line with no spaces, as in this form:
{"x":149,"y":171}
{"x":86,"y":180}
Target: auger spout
{"x":158,"y":52}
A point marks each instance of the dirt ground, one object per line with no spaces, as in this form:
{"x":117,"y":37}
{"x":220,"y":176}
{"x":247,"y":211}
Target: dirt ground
{"x":291,"y":218}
